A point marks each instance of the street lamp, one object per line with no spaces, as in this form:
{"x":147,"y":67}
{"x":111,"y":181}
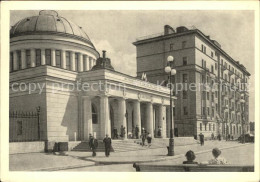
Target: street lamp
{"x":242,"y":101}
{"x":168,"y":69}
{"x":226,"y":118}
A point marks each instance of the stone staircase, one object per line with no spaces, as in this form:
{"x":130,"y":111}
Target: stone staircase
{"x":122,"y":145}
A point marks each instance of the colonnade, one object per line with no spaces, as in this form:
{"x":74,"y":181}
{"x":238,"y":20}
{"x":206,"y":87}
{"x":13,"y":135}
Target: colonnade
{"x":70,"y":60}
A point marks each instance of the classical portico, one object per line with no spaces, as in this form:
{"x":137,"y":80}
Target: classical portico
{"x":120,"y":100}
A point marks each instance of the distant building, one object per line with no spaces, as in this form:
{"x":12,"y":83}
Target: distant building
{"x":198,"y":59}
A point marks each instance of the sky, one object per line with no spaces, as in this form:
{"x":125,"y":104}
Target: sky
{"x":115,"y":31}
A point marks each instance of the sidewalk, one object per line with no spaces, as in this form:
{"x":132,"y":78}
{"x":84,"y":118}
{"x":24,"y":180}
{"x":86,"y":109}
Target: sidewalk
{"x":51,"y":162}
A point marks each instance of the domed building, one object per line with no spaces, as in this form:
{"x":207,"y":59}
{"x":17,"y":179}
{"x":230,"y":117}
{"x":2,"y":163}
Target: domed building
{"x":55,"y":68}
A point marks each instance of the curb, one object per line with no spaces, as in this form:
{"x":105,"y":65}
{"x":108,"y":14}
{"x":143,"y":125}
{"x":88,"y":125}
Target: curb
{"x":96,"y":163}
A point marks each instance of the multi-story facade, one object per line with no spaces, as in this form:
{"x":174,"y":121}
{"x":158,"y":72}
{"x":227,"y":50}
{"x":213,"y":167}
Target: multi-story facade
{"x":221,"y":108}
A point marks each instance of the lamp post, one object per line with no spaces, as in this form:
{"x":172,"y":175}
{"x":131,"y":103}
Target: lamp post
{"x":169,"y":70}
{"x":242,"y":101}
{"x":226,"y":118}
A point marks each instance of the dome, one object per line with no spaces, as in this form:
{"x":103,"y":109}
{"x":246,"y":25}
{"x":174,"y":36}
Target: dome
{"x":48,"y":21}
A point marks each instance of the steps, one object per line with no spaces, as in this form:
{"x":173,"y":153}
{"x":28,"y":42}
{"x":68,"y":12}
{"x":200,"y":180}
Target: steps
{"x":84,"y":147}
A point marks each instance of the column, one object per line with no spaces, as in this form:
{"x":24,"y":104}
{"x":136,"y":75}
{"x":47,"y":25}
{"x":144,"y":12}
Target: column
{"x":122,"y":114}
{"x":162,"y":119}
{"x":90,"y":59}
{"x":137,"y":115}
{"x":94,"y":62}
{"x":15,"y":61}
{"x":33,"y":58}
{"x":149,"y":118}
{"x":86,"y":63}
{"x":80,"y":64}
{"x":63,"y":59}
{"x":87,"y":116}
{"x":53,"y":57}
{"x":72,"y":61}
{"x":23,"y":58}
{"x":43,"y":62}
{"x":105,"y":125}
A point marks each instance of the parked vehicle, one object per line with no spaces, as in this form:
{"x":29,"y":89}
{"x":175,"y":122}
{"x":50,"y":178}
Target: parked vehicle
{"x":248,"y":138}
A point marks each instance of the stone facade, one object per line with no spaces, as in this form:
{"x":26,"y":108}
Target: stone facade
{"x":198,"y":59}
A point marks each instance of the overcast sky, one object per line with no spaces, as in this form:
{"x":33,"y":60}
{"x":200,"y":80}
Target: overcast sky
{"x":115,"y":31}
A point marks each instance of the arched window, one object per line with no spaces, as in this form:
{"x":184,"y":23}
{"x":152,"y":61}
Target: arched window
{"x":94,"y":115}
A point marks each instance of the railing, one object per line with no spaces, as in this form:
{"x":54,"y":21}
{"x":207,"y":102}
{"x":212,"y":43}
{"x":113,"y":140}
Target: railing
{"x":24,"y":126}
{"x":150,"y":36}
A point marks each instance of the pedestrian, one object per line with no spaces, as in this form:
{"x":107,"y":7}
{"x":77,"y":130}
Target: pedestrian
{"x":201,"y":139}
{"x":137,"y":131}
{"x":149,"y":139}
{"x":122,"y":131}
{"x":159,"y":131}
{"x":143,"y":136}
{"x":217,"y":160}
{"x":219,"y":137}
{"x":228,"y":136}
{"x":107,"y":142}
{"x":212,"y":136}
{"x":115,"y":133}
{"x":190,"y":156}
{"x":93,"y":144}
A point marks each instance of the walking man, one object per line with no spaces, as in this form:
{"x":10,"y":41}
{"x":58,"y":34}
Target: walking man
{"x":143,"y":136}
{"x":201,"y":139}
{"x":212,"y":136}
{"x":107,"y":141}
{"x":93,"y":144}
{"x":149,"y":139}
{"x":136,"y":132}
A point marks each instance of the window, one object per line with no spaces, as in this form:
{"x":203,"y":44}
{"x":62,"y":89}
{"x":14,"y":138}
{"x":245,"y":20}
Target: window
{"x":19,"y":59}
{"x":171,"y":46}
{"x":212,"y":112}
{"x":184,"y":44}
{"x":216,"y":94}
{"x":216,"y":107}
{"x":208,"y":111}
{"x":207,"y":95}
{"x":212,"y":96}
{"x":76,"y":61}
{"x":212,"y":54}
{"x":203,"y":111}
{"x":202,"y":78}
{"x":205,"y":126}
{"x":202,"y":63}
{"x":209,"y":127}
{"x":58,"y":58}
{"x":203,"y":48}
{"x":185,"y":111}
{"x":68,"y":60}
{"x":213,"y":127}
{"x":184,"y":59}
{"x":38,"y":57}
{"x":184,"y":78}
{"x":212,"y":69}
{"x":28,"y":58}
{"x":48,"y":56}
{"x":184,"y":94}
{"x":221,"y":61}
{"x":94,"y":115}
{"x":200,"y":126}
{"x":19,"y":127}
{"x":11,"y":61}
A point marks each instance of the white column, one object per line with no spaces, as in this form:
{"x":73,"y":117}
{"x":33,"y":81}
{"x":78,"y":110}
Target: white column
{"x":149,"y":118}
{"x":90,"y":59}
{"x":72,"y":61}
{"x":162,"y":119}
{"x":23,"y":58}
{"x":105,"y":125}
{"x":80,"y":63}
{"x":15,"y":60}
{"x":87,"y":115}
{"x":33,"y":57}
{"x":137,"y":115}
{"x":86,"y":64}
{"x":43,"y":57}
{"x":53,"y":57}
{"x":63,"y":59}
{"x":122,"y":114}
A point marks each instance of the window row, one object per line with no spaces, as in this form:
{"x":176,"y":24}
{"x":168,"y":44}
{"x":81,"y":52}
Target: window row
{"x":209,"y":127}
